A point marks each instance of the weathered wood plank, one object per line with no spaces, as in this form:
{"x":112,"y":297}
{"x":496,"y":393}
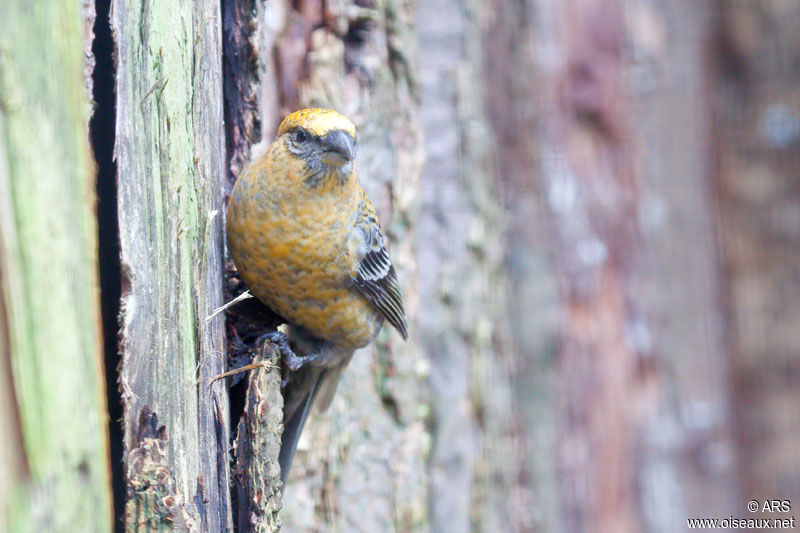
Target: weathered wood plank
{"x":48,"y":253}
{"x":170,"y":158}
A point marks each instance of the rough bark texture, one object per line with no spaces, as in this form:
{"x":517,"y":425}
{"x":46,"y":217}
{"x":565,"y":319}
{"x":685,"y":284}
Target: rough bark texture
{"x":243,"y":64}
{"x":756,"y":99}
{"x":361,"y":465}
{"x":257,"y":475}
{"x":153,"y":503}
{"x":170,"y":155}
{"x":54,"y":475}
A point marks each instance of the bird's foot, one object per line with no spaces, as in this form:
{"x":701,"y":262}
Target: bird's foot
{"x":292,"y":361}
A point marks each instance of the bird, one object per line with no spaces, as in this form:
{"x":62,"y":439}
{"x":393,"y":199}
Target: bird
{"x":306,"y":241}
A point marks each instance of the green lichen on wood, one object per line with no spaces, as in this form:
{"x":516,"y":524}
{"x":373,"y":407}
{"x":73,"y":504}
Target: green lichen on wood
{"x":49,"y":263}
{"x":156,"y":176}
{"x":169,"y":155}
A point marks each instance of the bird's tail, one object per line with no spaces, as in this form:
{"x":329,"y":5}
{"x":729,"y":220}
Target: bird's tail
{"x":298,"y":397}
{"x":312,"y":382}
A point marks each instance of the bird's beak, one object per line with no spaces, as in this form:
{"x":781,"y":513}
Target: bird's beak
{"x":339,"y":148}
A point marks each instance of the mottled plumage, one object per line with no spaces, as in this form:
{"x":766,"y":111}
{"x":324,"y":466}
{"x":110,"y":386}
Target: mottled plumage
{"x":306,"y":241}
{"x":376,"y":278}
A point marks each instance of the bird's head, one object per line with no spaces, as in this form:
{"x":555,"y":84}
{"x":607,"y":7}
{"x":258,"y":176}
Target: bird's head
{"x":324,"y":140}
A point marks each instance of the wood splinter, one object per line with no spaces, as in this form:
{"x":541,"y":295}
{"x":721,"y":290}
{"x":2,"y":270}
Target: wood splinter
{"x":260,"y":364}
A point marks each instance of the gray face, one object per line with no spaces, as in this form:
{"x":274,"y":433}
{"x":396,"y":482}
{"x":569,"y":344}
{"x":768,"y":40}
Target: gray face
{"x":331,"y":154}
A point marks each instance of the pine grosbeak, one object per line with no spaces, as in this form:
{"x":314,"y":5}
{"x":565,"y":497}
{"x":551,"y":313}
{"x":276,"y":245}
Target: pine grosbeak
{"x":306,"y":241}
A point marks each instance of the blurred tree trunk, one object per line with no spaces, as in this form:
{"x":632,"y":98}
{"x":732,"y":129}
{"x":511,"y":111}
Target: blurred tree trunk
{"x":757,"y":111}
{"x":54,"y":468}
{"x":477,"y":481}
{"x":687,"y":462}
{"x":170,"y":160}
{"x":604,"y":154}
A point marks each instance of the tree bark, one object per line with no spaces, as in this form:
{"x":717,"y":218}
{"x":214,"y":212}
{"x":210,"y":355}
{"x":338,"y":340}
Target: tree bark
{"x":170,"y":159}
{"x":361,"y":465}
{"x":476,"y":472}
{"x":757,"y":126}
{"x":686,"y":466}
{"x":587,"y":167}
{"x":258,"y":443}
{"x":54,"y":469}
{"x":604,"y":154}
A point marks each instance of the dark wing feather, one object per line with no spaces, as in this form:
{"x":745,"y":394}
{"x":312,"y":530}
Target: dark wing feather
{"x":376,"y":277}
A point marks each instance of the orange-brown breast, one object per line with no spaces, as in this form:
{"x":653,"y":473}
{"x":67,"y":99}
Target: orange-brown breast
{"x":293,"y":246}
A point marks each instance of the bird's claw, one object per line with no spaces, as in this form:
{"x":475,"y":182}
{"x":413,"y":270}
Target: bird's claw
{"x":280,"y":340}
{"x":292,"y":361}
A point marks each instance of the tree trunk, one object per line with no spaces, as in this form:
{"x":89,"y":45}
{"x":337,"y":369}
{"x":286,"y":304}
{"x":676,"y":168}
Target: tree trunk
{"x":686,"y":466}
{"x":170,"y":160}
{"x":603,"y":148}
{"x":757,"y":123}
{"x":475,"y":467}
{"x":54,"y":468}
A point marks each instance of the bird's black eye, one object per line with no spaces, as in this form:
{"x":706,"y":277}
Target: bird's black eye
{"x":300,"y":135}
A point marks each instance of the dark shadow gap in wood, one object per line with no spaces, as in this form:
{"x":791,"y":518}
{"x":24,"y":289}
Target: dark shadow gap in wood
{"x":102,"y":132}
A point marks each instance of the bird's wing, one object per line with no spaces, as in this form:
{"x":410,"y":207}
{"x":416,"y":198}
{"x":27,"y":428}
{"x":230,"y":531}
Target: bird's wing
{"x":376,"y":277}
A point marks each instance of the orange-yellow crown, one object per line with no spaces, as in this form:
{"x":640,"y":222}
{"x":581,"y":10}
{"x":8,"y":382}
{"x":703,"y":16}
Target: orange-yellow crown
{"x":317,"y":121}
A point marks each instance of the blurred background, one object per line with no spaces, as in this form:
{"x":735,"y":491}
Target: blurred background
{"x":647,"y":162}
{"x":593,"y":206}
{"x":605,"y":243}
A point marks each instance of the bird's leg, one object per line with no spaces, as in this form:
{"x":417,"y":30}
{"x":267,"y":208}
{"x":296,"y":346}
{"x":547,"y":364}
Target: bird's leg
{"x":293,"y":361}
